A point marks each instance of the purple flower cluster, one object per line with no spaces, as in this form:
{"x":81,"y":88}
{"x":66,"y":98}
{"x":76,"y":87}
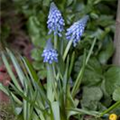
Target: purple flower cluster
{"x":50,"y":55}
{"x":76,"y":30}
{"x":56,"y":25}
{"x":55,"y":20}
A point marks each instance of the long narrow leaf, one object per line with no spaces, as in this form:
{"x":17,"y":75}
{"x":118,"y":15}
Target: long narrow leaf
{"x":8,"y":67}
{"x":35,"y":80}
{"x":79,"y":78}
{"x":56,"y":110}
{"x":17,"y":68}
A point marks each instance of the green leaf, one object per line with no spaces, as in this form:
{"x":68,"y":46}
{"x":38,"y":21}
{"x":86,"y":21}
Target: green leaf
{"x":2,"y":88}
{"x":18,"y":110}
{"x":36,"y":32}
{"x":42,"y":74}
{"x":72,"y":63}
{"x":50,"y":83}
{"x":116,"y":94}
{"x":79,"y":77}
{"x":46,"y":3}
{"x":99,"y":34}
{"x":8,"y":67}
{"x":97,"y":1}
{"x":38,"y":65}
{"x":91,"y":97}
{"x":105,"y":20}
{"x":107,"y":50}
{"x":69,"y":2}
{"x":36,"y":54}
{"x":6,"y":91}
{"x":34,"y":77}
{"x":107,"y":100}
{"x":56,"y":110}
{"x":75,"y":111}
{"x":18,"y":69}
{"x":93,"y":71}
{"x":112,"y":79}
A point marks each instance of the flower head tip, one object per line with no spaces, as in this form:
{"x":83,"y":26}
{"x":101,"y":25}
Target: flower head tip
{"x":55,"y":20}
{"x":76,"y":30}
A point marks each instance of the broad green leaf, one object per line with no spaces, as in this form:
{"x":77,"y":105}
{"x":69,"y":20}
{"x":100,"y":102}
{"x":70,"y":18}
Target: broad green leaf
{"x":92,"y":93}
{"x":112,"y":79}
{"x":91,"y":97}
{"x":38,"y":65}
{"x":42,"y":74}
{"x":36,"y":54}
{"x":36,"y":32}
{"x":105,"y":20}
{"x":93,"y":71}
{"x":69,"y":2}
{"x":46,"y":2}
{"x":106,"y":100}
{"x":99,"y":34}
{"x":116,"y":94}
{"x":107,"y":50}
{"x":97,"y":1}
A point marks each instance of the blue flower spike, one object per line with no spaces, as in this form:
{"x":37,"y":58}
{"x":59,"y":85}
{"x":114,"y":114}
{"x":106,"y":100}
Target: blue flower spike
{"x":55,"y":21}
{"x":76,"y":30}
{"x":50,"y":55}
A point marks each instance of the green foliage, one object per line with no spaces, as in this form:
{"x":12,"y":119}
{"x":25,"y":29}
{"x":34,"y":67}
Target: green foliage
{"x":32,"y":100}
{"x":101,"y":23}
{"x":28,"y":97}
{"x":106,"y":51}
{"x":112,"y":75}
{"x":116,"y":94}
{"x":98,"y":81}
{"x":95,"y":76}
{"x":91,"y":97}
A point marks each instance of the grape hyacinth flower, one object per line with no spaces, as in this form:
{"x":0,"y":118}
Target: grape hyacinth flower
{"x":55,"y":21}
{"x":50,"y":55}
{"x":76,"y":30}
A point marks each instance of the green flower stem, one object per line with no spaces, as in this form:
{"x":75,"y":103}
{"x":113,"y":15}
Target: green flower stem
{"x":72,"y":63}
{"x":55,"y":83}
{"x":117,"y":104}
{"x":78,"y":80}
{"x":55,"y":41}
{"x":91,"y":49}
{"x":81,"y":72}
{"x":50,"y":81}
{"x":61,"y":46}
{"x":67,"y":49}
